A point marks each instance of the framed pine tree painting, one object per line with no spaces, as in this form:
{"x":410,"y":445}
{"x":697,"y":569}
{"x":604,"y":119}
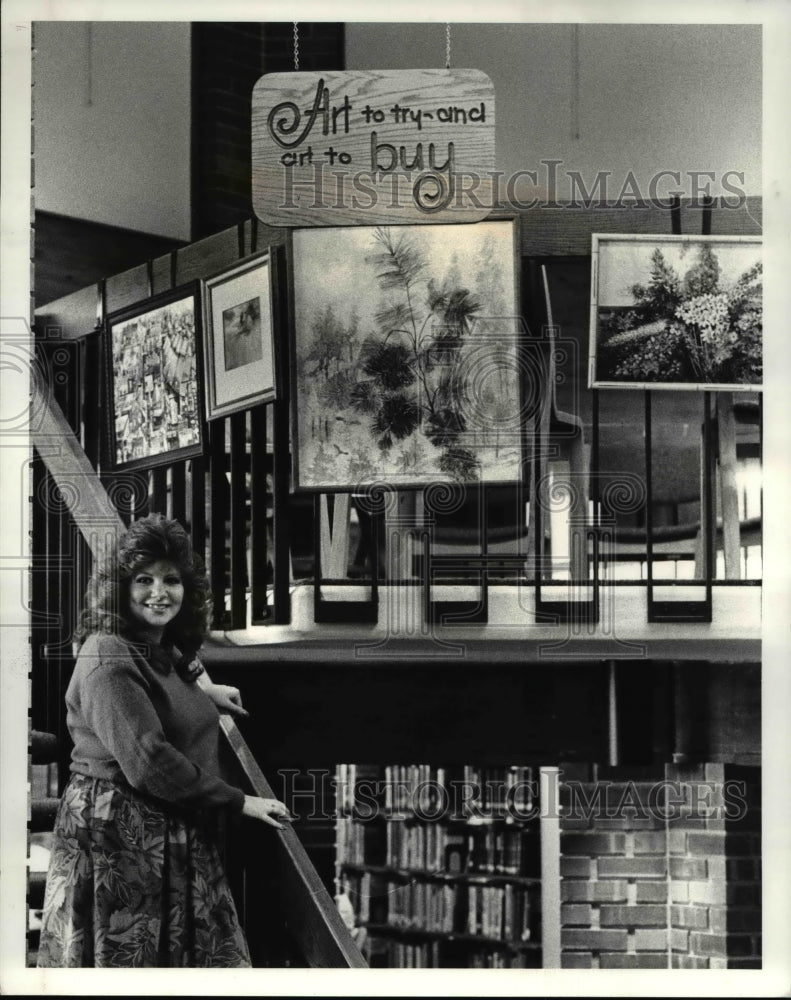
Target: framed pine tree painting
{"x":406,"y":356}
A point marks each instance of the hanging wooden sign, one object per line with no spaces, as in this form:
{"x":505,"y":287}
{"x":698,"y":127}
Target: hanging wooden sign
{"x":393,"y":146}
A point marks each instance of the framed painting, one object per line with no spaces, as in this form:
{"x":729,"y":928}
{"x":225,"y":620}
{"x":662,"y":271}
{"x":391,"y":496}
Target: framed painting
{"x":676,"y":312}
{"x":153,"y":381}
{"x":238,"y":338}
{"x":406,"y":356}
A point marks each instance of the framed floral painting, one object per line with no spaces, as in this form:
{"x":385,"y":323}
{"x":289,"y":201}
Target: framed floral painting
{"x":406,"y":355}
{"x":676,"y":312}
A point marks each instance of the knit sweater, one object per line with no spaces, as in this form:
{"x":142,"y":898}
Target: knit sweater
{"x":133,"y":719}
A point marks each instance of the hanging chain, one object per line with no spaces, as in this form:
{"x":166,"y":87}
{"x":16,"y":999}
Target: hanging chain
{"x":575,"y":82}
{"x":89,"y":65}
{"x":447,"y":46}
{"x":296,"y":46}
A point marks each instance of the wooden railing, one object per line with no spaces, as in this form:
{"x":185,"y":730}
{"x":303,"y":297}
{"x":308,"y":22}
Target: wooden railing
{"x":313,"y":919}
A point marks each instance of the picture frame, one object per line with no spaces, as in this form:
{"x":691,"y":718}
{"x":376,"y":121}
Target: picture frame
{"x":406,"y":356}
{"x":676,"y":312}
{"x":154,"y":381}
{"x":238,"y":336}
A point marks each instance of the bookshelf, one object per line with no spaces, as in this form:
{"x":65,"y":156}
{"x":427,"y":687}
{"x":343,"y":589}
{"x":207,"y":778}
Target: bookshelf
{"x":441,"y":865}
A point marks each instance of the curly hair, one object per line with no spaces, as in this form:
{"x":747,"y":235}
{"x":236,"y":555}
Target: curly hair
{"x":149,"y":540}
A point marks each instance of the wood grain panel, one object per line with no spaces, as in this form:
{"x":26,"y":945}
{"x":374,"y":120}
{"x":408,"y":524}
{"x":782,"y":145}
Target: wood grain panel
{"x":127,"y":288}
{"x":391,"y":146}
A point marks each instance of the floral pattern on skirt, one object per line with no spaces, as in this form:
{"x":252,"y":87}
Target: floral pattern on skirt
{"x":131,"y":885}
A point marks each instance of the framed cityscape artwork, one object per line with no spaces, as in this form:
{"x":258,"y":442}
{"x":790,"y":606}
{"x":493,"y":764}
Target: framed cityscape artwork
{"x":153,"y":381}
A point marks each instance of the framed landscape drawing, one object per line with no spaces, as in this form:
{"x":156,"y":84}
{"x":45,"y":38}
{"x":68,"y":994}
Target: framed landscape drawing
{"x":238,"y":341}
{"x":153,"y":381}
{"x":676,"y":312}
{"x":406,"y":346}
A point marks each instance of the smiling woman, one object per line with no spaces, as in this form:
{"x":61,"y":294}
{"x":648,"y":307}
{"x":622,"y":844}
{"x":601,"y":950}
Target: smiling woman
{"x":135,"y":878}
{"x":156,"y":594}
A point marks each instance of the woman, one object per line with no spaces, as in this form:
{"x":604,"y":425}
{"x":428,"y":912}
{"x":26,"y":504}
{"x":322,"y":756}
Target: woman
{"x":134,"y":878}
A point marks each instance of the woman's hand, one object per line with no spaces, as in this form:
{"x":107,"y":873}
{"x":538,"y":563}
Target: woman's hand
{"x":226,"y":698}
{"x":267,"y":810}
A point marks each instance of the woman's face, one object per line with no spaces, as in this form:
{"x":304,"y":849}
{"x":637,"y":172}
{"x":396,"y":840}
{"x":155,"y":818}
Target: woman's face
{"x":156,"y":594}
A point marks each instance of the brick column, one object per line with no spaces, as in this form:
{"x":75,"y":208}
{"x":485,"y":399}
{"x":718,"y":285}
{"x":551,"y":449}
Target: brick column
{"x":715,"y":867}
{"x":662,"y":874}
{"x":613,"y":865}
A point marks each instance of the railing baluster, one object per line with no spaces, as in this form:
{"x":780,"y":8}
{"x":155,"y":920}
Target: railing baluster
{"x":159,"y":490}
{"x":64,"y":602}
{"x":51,"y":547}
{"x":178,"y":492}
{"x":197,"y":506}
{"x":238,"y":512}
{"x":259,"y":497}
{"x":218,"y":508}
{"x":38,"y":598}
{"x":280,"y":477}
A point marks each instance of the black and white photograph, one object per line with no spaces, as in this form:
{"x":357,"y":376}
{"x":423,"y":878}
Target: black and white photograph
{"x":239,"y":337}
{"x":395,"y":550}
{"x":241,"y":334}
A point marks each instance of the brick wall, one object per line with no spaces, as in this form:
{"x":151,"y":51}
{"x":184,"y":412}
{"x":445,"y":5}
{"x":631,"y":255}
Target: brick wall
{"x":715,"y":864}
{"x":227,"y":60}
{"x":659,"y":874}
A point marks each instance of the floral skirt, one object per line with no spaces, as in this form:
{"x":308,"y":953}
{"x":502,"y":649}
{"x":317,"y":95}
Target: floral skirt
{"x":130,"y":885}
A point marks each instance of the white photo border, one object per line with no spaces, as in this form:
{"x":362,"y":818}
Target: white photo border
{"x":256,"y":381}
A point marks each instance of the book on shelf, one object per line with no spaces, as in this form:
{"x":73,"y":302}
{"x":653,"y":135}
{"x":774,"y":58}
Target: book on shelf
{"x":415,"y":788}
{"x":451,"y":855}
{"x":422,"y":955}
{"x":358,"y":843}
{"x":502,"y":912}
{"x":358,"y":789}
{"x":490,"y":959}
{"x":367,"y":892}
{"x":454,"y":853}
{"x":492,"y":791}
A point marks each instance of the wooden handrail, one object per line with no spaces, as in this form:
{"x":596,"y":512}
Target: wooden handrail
{"x":313,"y":918}
{"x":311,"y":912}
